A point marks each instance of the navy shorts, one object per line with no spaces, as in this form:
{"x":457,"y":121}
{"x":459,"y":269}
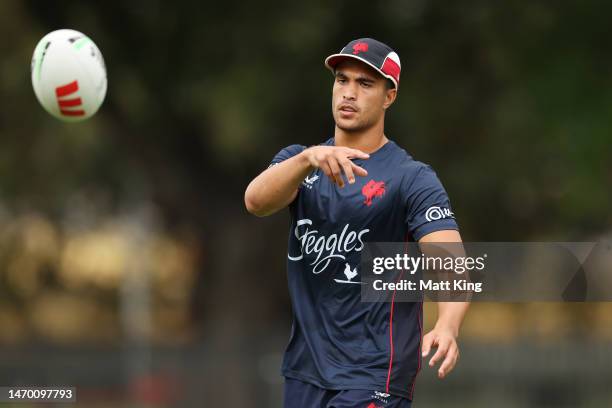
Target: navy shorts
{"x":299,"y":394}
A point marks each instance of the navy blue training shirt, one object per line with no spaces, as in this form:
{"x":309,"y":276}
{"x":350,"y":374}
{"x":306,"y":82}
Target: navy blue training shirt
{"x":338,"y":342}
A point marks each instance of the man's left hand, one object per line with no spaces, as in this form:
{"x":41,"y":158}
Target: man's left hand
{"x":446,"y":342}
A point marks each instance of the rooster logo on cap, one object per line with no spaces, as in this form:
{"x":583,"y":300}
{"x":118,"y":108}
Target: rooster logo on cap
{"x":360,"y":47}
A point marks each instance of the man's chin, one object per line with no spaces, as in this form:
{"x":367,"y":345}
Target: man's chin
{"x":349,"y":127}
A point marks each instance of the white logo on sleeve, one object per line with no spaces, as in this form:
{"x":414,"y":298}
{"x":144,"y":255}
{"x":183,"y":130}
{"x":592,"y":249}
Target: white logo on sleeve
{"x":437,"y":213}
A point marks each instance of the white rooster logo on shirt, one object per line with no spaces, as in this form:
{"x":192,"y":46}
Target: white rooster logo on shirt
{"x":349,"y":273}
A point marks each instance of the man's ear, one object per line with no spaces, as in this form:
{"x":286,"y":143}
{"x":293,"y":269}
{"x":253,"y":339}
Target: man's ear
{"x":390,"y":96}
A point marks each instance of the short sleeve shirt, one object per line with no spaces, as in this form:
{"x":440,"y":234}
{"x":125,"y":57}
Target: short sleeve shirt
{"x":337,"y":341}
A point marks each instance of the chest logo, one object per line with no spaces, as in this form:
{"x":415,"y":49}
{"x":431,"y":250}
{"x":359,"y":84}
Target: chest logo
{"x":322,"y":249}
{"x":350,"y":274}
{"x":309,"y":181}
{"x":373,"y":189}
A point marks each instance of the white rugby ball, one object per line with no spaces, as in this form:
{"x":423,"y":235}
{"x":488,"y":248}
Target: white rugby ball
{"x":68,"y":75}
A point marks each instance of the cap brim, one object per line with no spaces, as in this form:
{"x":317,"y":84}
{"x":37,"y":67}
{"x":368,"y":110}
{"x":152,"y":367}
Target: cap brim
{"x":333,"y":60}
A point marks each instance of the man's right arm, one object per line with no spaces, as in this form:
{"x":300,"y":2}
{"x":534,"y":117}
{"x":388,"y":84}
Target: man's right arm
{"x":276,"y":187}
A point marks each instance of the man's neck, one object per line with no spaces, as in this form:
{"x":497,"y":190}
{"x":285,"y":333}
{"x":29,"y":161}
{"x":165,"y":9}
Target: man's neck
{"x":367,"y":141}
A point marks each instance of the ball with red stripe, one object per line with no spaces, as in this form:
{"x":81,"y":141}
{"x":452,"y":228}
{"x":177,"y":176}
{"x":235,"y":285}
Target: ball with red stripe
{"x":68,"y":75}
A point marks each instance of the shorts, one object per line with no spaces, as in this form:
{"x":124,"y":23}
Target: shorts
{"x":298,"y":394}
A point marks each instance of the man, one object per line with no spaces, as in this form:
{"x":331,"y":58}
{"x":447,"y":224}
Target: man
{"x":356,"y":187}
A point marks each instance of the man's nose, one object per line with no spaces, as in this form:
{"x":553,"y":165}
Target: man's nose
{"x":350,"y":92}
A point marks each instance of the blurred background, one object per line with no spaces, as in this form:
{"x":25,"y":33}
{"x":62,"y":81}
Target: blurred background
{"x":130,"y":269}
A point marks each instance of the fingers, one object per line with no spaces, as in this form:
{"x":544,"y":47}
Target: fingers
{"x":428,"y":343}
{"x":351,"y":169}
{"x":348,"y":170}
{"x":440,"y":353}
{"x":334,"y":161}
{"x":449,"y":362}
{"x":448,"y":351}
{"x":339,"y":164}
{"x":335,"y":169}
{"x":359,"y":171}
{"x":327,"y":170}
{"x":356,"y":154}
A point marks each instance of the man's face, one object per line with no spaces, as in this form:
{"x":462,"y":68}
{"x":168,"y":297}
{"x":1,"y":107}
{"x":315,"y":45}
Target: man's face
{"x":360,"y":96}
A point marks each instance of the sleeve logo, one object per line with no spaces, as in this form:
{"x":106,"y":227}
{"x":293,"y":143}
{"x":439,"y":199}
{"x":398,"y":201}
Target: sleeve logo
{"x":437,"y":213}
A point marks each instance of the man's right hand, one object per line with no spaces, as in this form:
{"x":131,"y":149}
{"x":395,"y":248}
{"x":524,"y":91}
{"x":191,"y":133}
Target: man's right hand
{"x":335,"y":160}
{"x":277,"y":186}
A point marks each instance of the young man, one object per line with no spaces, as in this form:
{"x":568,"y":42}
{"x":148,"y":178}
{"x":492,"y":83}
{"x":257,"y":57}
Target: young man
{"x":356,"y":187}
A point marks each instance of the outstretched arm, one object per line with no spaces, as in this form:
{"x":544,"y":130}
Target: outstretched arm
{"x":277,"y":186}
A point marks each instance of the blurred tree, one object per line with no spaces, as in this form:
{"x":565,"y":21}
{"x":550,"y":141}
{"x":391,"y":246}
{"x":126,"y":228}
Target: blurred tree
{"x":509,"y":102}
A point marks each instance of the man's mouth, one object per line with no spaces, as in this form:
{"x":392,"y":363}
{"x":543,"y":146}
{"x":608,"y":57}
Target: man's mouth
{"x":347,"y":108}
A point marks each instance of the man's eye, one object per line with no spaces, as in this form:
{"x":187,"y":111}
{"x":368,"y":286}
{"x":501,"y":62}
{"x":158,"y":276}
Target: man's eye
{"x":366,"y":84}
{"x":341,"y":80}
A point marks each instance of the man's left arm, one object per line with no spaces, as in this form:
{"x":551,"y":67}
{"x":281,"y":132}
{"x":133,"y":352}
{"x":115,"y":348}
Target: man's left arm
{"x":450,"y":316}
